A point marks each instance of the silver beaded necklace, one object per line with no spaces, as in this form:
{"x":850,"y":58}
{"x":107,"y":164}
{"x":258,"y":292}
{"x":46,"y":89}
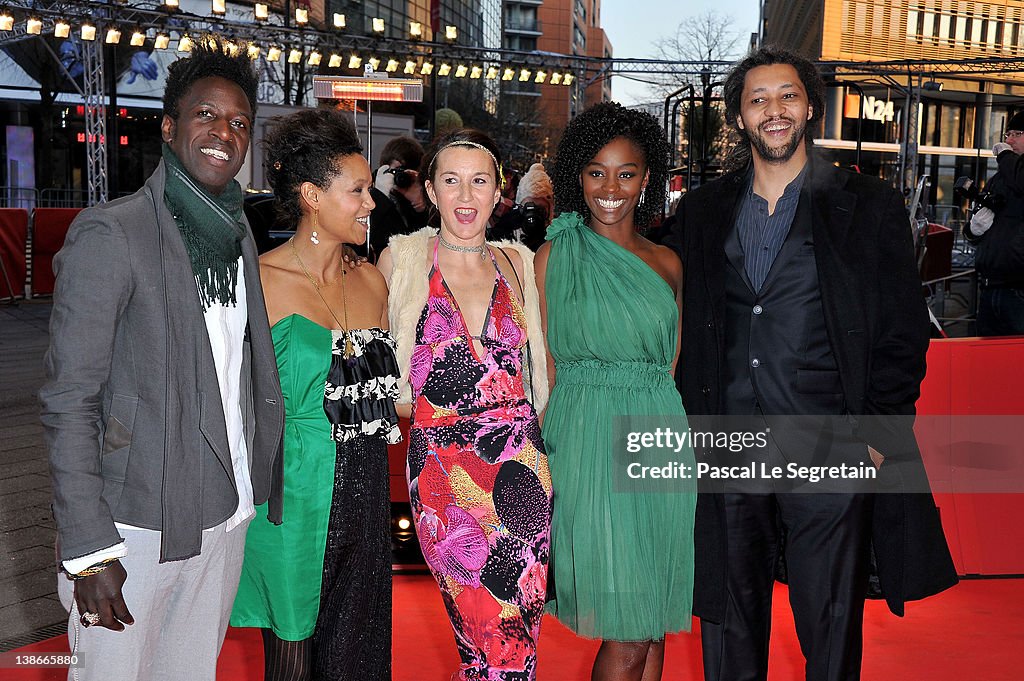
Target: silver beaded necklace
{"x":481,"y":249}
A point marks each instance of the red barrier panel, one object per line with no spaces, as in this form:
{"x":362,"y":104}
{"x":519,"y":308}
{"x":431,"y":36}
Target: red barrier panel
{"x":49,"y":227}
{"x":13,"y":233}
{"x":971,"y":390}
{"x":396,"y":464}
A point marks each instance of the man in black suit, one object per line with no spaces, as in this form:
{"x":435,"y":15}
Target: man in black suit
{"x":802,"y":299}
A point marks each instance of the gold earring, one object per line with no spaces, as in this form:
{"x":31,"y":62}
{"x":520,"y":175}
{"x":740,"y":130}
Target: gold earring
{"x":314,"y":237}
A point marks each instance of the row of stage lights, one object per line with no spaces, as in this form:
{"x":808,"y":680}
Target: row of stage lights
{"x":426,"y":67}
{"x":261,"y":12}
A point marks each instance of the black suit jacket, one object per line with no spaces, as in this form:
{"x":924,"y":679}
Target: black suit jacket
{"x":877,"y":325}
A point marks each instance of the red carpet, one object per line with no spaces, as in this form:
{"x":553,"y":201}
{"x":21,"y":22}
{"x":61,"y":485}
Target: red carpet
{"x":974,"y":632}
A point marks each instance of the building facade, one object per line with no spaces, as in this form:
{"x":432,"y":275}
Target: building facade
{"x":954,"y":113}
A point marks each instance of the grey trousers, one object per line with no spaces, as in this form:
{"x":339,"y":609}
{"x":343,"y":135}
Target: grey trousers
{"x":181,"y":612}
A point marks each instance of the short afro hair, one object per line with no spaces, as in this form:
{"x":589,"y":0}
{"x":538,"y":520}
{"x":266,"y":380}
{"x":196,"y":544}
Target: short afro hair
{"x":587,"y":134}
{"x":305,"y":147}
{"x":210,"y":58}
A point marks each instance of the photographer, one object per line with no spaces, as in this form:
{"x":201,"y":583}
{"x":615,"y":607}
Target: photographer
{"x":402,"y":206}
{"x":998,"y":236}
{"x":526,"y":219}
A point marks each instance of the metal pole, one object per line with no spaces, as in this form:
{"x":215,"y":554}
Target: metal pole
{"x":287,"y":64}
{"x":664,"y":114}
{"x":689,"y":139}
{"x":705,"y":102}
{"x":369,"y":132}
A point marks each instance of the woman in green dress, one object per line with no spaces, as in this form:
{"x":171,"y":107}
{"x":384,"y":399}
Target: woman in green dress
{"x":621,"y":546}
{"x":319,"y":584}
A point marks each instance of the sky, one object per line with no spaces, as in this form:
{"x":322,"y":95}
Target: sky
{"x":633,"y":26}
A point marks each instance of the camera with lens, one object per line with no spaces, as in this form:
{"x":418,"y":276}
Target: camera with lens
{"x":403,"y":176}
{"x":966,"y":189}
{"x":534,"y":218}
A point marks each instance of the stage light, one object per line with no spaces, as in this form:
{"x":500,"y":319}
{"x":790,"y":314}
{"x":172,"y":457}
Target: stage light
{"x":6,"y":21}
{"x":556,"y":78}
{"x":444,"y":69}
{"x":541,"y":77}
{"x":218,"y":7}
{"x":524,"y":75}
{"x":426,"y":69}
{"x":355,"y":61}
{"x":262,"y":11}
{"x":339,"y":20}
{"x":294,"y":56}
{"x":568,"y":78}
{"x":335,"y":61}
{"x":374,"y":62}
{"x":410,"y":67}
{"x":230,"y":47}
{"x":184,"y":44}
{"x":88,"y":31}
{"x":162,"y":41}
{"x":461,"y":70}
{"x":61,"y":29}
{"x":253,"y":51}
{"x":404,"y":524}
{"x":451,"y":33}
{"x":492,"y":73}
{"x":171,"y":4}
{"x":138,"y":38}
{"x":301,"y":16}
{"x":273,"y":53}
{"x":314,"y":59}
{"x":33,"y":26}
{"x":476,"y":72}
{"x":392,"y":65}
{"x":378,"y":25}
{"x":508,"y":74}
{"x":415,"y":30}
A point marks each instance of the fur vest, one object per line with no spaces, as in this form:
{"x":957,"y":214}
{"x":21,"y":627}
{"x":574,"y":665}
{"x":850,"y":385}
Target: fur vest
{"x":407,"y":296}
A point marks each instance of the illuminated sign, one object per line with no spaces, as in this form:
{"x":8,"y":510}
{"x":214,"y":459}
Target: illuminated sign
{"x":871,"y":110}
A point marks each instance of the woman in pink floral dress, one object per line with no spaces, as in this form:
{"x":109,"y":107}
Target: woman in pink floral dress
{"x":478,"y":475}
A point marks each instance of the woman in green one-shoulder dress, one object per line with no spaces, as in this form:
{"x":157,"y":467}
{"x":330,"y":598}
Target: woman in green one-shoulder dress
{"x":621,"y":546}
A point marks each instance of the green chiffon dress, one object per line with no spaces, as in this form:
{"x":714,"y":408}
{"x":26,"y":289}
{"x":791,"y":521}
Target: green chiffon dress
{"x":621,"y":548}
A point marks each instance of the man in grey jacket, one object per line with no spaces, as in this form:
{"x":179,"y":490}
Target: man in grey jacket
{"x":163,"y":410}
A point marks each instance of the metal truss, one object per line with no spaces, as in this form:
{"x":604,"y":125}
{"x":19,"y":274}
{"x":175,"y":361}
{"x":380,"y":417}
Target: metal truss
{"x":95,"y":121}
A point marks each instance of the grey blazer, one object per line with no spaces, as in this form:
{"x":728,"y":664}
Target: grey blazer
{"x":132,"y":409}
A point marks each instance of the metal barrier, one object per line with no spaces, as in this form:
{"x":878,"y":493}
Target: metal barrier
{"x":19,"y":197}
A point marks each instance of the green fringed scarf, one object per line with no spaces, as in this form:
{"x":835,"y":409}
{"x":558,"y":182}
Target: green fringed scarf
{"x":211,"y":227}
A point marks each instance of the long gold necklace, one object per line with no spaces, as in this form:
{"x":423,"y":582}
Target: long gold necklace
{"x":344,"y":298}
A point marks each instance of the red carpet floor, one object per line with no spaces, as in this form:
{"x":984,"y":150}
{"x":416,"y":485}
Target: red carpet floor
{"x":974,"y":632}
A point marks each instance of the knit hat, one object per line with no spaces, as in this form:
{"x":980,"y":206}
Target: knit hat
{"x":1016,"y":122}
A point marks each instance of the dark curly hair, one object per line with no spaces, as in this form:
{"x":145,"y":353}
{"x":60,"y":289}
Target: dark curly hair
{"x":587,"y":134}
{"x":769,"y":55}
{"x":305,"y":147}
{"x":471,"y":135}
{"x":209,"y":58}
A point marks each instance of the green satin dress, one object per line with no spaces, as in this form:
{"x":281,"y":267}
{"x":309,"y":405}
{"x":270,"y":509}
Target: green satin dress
{"x":622,"y":548}
{"x":290,"y":557}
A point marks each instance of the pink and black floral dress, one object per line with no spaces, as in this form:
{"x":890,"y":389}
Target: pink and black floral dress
{"x":479,"y":481}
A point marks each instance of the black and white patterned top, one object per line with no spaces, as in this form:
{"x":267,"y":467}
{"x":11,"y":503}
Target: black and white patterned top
{"x":360,"y":392}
